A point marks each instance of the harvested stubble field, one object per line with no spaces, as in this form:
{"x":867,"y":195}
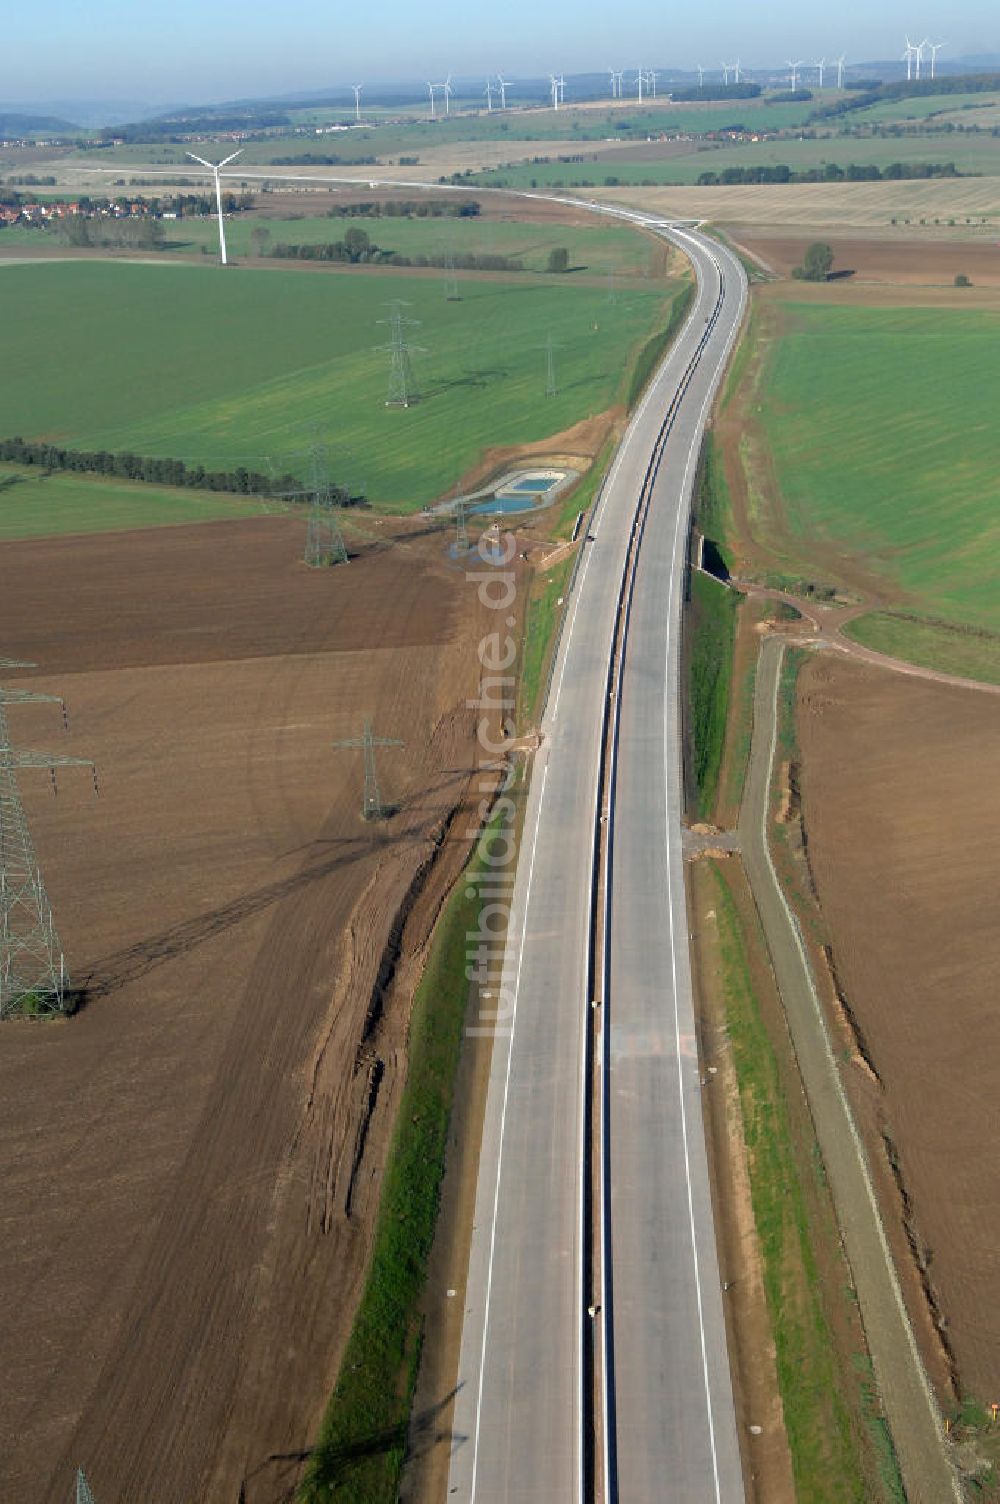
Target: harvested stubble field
{"x":820,"y":207}
{"x":900,"y":791}
{"x":191,"y":1164}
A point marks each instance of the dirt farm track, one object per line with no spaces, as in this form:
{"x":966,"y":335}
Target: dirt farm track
{"x":188,"y":1163}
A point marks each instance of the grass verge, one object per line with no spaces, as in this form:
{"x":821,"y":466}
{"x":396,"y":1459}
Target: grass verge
{"x":971,"y":653}
{"x":713,"y":506}
{"x":358,"y":1458}
{"x":544,"y":604}
{"x":657,"y":345}
{"x":827,"y":1411}
{"x":711,"y":635}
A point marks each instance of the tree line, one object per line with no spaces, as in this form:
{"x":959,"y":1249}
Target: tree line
{"x":159,"y":472}
{"x":830,"y":172}
{"x":394,"y":208}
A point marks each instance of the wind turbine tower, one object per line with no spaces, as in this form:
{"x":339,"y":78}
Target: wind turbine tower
{"x":934,"y":48}
{"x":840,"y":70}
{"x":821,"y":69}
{"x":215,"y":169}
{"x":488,"y":91}
{"x":554,"y":88}
{"x":651,"y":79}
{"x":794,"y":75}
{"x":357,"y":101}
{"x":725,"y":74}
{"x":701,"y":77}
{"x":640,"y":79}
{"x":503,"y":84}
{"x":446,"y":86}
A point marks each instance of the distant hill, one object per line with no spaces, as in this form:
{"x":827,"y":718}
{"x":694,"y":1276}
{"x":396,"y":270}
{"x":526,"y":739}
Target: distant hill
{"x":35,"y":125}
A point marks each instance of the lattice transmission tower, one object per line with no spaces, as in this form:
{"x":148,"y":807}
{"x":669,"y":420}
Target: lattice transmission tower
{"x":451,"y":292}
{"x":551,"y":389}
{"x":83,"y":1490}
{"x":34,"y":980}
{"x":402,"y":382}
{"x":372,"y":807}
{"x":324,"y":539}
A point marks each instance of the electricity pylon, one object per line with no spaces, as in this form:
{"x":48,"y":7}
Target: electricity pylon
{"x":462,"y":509}
{"x":402,"y":384}
{"x":33,"y":976}
{"x":372,"y":807}
{"x":83,"y":1492}
{"x":551,"y":390}
{"x":451,"y":292}
{"x":324,"y":540}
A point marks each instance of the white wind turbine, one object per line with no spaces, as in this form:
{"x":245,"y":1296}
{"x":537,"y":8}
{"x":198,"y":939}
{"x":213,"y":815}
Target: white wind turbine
{"x":446,"y":86}
{"x":736,"y":70}
{"x":640,"y":79}
{"x":488,"y":91}
{"x":554,"y":89}
{"x":357,"y":100}
{"x":503,"y":84}
{"x":216,"y":169}
{"x":614,"y":83}
{"x":794,"y":75}
{"x":913,"y":54}
{"x":840,"y":70}
{"x":701,"y":77}
{"x":934,"y":48}
{"x":651,"y":80}
{"x":725,"y":74}
{"x":821,"y":69}
{"x":431,"y":87}
{"x":620,"y":81}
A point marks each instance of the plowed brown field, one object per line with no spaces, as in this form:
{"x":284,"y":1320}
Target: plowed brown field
{"x":899,"y":260}
{"x":901,"y":802}
{"x":189,"y":1167}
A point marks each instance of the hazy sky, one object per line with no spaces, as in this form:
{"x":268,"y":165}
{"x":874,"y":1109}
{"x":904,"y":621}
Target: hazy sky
{"x":196,"y":50}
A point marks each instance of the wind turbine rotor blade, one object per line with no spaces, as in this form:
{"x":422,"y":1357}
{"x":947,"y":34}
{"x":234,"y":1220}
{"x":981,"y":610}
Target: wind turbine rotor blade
{"x":226,"y":160}
{"x":201,"y":160}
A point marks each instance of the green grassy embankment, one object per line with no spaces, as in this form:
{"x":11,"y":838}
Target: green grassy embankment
{"x":952,"y":650}
{"x":711,"y":630}
{"x":792,"y":1216}
{"x":658,"y":344}
{"x":36,"y":505}
{"x":545,"y":606}
{"x":359,"y":1455}
{"x":235,"y":368}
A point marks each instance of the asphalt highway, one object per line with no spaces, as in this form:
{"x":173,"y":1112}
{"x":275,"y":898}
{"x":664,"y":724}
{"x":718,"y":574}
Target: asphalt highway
{"x":519,"y":1416}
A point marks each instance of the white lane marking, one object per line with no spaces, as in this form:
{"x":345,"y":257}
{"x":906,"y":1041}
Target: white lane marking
{"x":503,"y":1122}
{"x":624,"y":448}
{"x":668,"y":845}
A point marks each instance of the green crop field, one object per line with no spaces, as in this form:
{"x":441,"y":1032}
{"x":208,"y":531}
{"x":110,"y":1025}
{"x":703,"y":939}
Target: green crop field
{"x":233,"y":367}
{"x":973,"y":154}
{"x":597,"y":248}
{"x":36,"y":505}
{"x":881,"y":424}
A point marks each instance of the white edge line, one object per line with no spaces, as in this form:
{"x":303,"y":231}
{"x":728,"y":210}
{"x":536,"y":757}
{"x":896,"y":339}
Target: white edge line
{"x":503,"y":1120}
